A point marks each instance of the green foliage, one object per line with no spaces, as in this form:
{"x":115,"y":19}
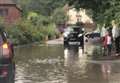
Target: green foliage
{"x":44,"y":7}
{"x":43,"y":20}
{"x":39,"y":21}
{"x":59,"y":16}
{"x":32,"y":15}
{"x":1,"y":21}
{"x":104,"y":11}
{"x":25,"y":32}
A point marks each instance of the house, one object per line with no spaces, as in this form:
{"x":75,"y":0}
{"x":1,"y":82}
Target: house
{"x":74,"y":16}
{"x":9,"y":11}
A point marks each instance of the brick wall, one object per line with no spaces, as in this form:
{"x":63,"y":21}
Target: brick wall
{"x":13,"y":14}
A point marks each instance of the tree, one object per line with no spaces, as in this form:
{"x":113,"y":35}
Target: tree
{"x":104,"y":11}
{"x":44,"y":7}
{"x":59,"y":16}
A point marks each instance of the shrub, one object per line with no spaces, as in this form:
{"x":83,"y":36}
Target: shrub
{"x":25,"y":32}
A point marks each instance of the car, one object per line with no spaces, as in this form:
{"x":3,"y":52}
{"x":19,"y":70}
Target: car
{"x":73,"y":36}
{"x":93,"y":37}
{"x":6,"y":48}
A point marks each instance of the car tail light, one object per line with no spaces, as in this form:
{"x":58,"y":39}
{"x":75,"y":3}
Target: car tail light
{"x":5,"y":46}
{"x":6,"y":51}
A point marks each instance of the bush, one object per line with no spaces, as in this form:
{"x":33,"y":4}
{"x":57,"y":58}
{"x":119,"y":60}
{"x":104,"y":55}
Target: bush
{"x":59,"y":16}
{"x":25,"y":32}
{"x":17,"y":35}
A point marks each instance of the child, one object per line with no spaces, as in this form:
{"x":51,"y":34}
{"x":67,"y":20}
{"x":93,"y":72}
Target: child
{"x":108,"y":43}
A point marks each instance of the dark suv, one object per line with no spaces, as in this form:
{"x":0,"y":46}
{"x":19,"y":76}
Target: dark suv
{"x":6,"y":48}
{"x":74,"y":36}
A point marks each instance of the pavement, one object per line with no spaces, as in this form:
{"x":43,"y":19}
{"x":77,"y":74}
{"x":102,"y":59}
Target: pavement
{"x":94,"y":49}
{"x":58,"y":41}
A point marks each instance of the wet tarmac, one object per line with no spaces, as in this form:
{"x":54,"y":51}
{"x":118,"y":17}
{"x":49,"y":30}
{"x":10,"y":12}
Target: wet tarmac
{"x":55,"y":64}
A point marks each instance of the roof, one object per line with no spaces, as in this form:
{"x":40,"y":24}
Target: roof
{"x":10,"y":2}
{"x":5,"y":2}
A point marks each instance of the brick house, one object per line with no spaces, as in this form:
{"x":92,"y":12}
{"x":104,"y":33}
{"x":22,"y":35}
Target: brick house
{"x":9,"y":11}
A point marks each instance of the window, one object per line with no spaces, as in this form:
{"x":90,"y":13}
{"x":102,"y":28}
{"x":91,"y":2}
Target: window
{"x":3,"y":12}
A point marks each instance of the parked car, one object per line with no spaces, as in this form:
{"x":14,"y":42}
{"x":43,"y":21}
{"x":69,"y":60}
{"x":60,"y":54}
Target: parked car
{"x":93,"y":35}
{"x":74,"y":36}
{"x":6,"y":48}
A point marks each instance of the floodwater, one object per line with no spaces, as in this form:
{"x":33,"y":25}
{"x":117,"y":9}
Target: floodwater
{"x":54,"y":64}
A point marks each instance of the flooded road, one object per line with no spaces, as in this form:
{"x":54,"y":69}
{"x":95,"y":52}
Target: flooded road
{"x":54,"y":64}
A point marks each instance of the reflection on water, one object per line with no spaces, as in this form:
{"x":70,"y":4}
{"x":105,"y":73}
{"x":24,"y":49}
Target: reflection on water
{"x":76,"y":67}
{"x":54,"y":64}
{"x":40,"y":64}
{"x":106,"y":70}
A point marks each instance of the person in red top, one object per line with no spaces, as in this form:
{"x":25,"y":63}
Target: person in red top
{"x":107,"y":43}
